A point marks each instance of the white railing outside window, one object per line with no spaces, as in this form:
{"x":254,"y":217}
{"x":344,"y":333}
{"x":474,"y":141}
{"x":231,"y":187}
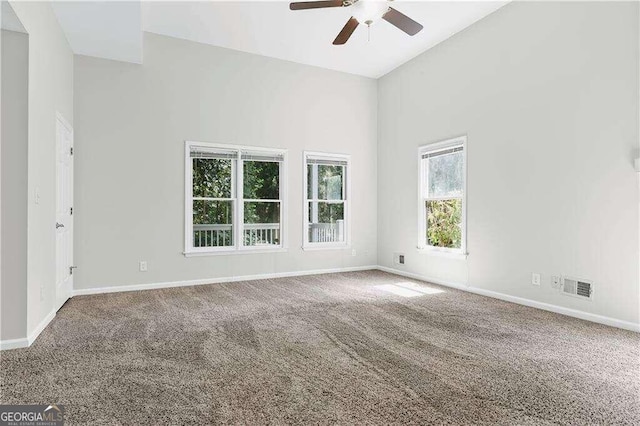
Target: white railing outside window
{"x":261,"y":234}
{"x":212,"y":235}
{"x":326,"y":232}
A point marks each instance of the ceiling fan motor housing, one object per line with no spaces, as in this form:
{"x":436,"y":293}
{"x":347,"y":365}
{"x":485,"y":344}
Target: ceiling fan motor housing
{"x":368,"y":12}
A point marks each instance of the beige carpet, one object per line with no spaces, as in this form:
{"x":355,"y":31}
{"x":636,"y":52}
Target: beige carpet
{"x":362,"y":347}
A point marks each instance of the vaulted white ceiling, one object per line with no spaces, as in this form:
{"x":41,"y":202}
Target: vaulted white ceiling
{"x":106,"y":29}
{"x":9,"y":20}
{"x":113,"y":30}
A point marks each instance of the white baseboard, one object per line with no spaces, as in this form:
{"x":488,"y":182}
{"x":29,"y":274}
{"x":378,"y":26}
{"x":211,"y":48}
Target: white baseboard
{"x":626,"y":325}
{"x":43,"y":324}
{"x":28,"y":341}
{"x":186,"y":283}
{"x":14,"y":343}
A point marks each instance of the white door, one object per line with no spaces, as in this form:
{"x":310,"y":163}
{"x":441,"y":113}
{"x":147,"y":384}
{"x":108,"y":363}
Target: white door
{"x":64,"y":211}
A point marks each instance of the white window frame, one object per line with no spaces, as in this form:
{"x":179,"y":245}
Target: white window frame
{"x":237,"y":199}
{"x":423,"y":245}
{"x":306,"y":244}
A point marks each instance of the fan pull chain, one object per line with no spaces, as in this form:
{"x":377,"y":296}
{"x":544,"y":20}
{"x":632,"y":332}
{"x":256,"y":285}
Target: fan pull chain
{"x":369,"y":33}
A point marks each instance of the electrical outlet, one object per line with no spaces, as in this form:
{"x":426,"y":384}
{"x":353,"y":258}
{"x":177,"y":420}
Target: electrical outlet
{"x":535,"y":279}
{"x":353,"y":252}
{"x":36,"y":195}
{"x":143,"y":266}
{"x":398,"y":258}
{"x":555,"y":282}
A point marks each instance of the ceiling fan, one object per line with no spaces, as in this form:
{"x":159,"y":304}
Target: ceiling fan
{"x":364,"y":12}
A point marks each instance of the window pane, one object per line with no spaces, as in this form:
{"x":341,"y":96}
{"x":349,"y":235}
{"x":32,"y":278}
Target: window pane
{"x":330,"y":213}
{"x":329,"y":181}
{"x":445,"y":175}
{"x":261,"y":180}
{"x":329,"y":227}
{"x":310,"y":181}
{"x":262,"y":223}
{"x":262,"y":212}
{"x":444,"y":223}
{"x":212,"y":223}
{"x":326,"y":212}
{"x":211,"y":178}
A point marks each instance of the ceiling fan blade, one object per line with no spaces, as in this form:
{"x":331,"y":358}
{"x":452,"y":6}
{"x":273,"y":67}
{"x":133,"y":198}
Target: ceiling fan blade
{"x":346,"y":32}
{"x":302,"y":5}
{"x":402,"y":21}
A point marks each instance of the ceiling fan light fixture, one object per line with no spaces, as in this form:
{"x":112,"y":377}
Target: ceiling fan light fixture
{"x":365,"y":12}
{"x":368,"y":12}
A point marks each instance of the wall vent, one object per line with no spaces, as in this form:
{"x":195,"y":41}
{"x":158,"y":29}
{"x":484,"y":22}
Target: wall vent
{"x":577,"y":288}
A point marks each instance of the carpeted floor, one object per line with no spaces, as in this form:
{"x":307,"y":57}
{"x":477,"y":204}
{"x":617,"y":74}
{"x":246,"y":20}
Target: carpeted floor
{"x":362,"y":347}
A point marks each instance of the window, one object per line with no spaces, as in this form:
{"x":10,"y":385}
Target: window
{"x":442,"y":196}
{"x":326,"y":209}
{"x":234,"y":198}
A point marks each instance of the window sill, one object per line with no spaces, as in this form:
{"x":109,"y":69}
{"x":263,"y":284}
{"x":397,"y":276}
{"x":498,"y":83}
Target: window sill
{"x":329,"y":247}
{"x":451,"y":254}
{"x":233,"y":252}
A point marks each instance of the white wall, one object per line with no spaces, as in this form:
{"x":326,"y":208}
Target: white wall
{"x":131,"y":124}
{"x":1,"y":228}
{"x":13,"y":276}
{"x":548,"y":96}
{"x":50,"y":91}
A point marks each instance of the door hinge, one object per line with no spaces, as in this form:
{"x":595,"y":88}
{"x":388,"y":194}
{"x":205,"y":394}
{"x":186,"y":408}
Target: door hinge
{"x":71,"y":150}
{"x":71,"y":268}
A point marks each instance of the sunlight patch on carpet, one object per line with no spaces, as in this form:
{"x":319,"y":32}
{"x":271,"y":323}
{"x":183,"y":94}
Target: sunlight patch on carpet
{"x":408,"y":289}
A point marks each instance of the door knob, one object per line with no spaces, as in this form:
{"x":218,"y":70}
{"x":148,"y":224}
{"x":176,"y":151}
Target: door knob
{"x":59,"y":225}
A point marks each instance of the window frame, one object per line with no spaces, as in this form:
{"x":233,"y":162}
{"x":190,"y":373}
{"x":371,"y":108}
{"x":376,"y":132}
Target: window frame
{"x":237,"y":199}
{"x":423,"y":245}
{"x":339,"y":245}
